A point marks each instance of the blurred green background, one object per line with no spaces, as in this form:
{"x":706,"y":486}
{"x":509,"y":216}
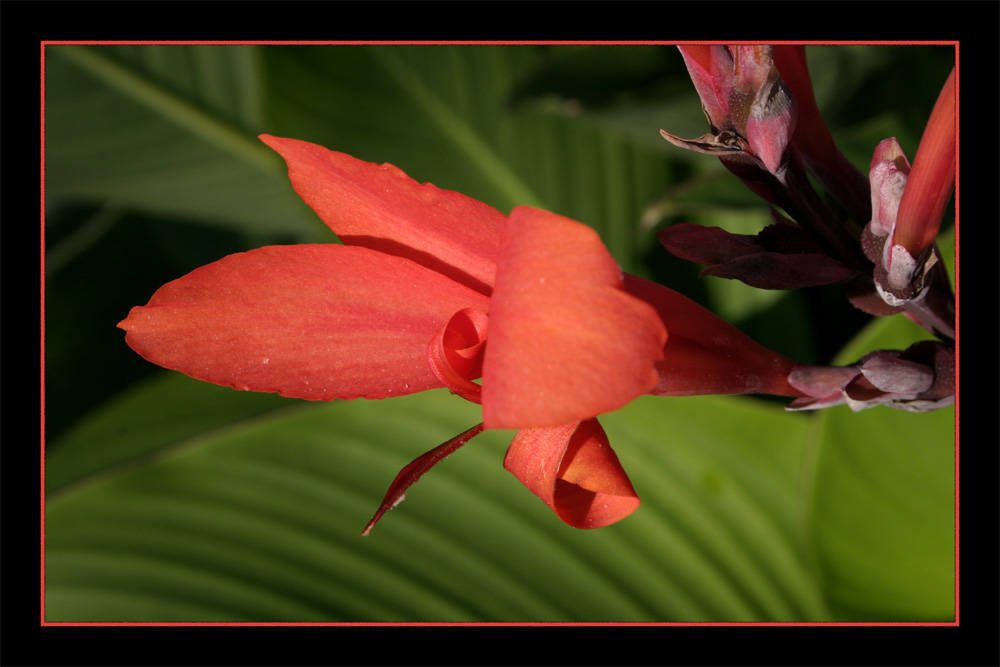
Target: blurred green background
{"x":174,"y":500}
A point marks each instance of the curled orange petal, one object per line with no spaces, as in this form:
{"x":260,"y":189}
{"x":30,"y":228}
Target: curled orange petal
{"x":573,"y":469}
{"x":455,"y":354}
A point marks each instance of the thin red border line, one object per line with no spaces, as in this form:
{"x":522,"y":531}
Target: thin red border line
{"x":493,"y":43}
{"x":41,"y":401}
{"x":484,"y":624}
{"x":958,"y":346}
{"x":954,"y":43}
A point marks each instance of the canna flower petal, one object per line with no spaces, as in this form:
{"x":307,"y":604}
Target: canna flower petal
{"x":566,"y":341}
{"x":456,"y":353}
{"x":311,"y":321}
{"x":573,"y":469}
{"x":711,"y":70}
{"x":932,"y":179}
{"x":380,"y":207}
{"x":707,"y":355}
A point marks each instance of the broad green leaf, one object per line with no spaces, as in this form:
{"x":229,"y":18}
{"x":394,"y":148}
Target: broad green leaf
{"x":259,"y":520}
{"x":166,"y":129}
{"x":884,"y":514}
{"x":156,"y":414}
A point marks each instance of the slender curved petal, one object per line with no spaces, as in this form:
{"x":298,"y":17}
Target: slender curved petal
{"x":380,"y":207}
{"x":932,"y":179}
{"x":573,"y":469}
{"x":311,"y":321}
{"x":410,"y":473}
{"x":566,"y":341}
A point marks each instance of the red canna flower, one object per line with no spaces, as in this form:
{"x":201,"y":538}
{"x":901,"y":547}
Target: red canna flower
{"x":406,"y":305}
{"x":434,"y":289}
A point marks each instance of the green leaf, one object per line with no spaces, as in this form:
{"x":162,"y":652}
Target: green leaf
{"x":260,"y":519}
{"x":166,"y":129}
{"x":159,"y":413}
{"x":883,"y":513}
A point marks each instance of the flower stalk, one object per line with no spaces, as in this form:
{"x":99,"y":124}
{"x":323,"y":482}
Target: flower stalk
{"x":883,"y":252}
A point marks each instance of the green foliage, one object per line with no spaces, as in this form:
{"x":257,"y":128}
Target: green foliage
{"x":174,"y":500}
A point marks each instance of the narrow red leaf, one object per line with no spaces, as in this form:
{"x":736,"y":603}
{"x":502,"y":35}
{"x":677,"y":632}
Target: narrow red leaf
{"x":409,"y":475}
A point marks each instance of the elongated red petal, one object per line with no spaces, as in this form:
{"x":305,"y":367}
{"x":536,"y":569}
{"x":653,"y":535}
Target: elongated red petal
{"x":311,"y":321}
{"x":711,"y":70}
{"x":573,"y":469}
{"x":932,"y":179}
{"x":380,"y":207}
{"x":566,"y":341}
{"x":706,"y":354}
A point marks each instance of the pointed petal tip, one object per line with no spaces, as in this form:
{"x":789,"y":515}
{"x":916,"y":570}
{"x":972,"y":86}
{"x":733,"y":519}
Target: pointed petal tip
{"x":413,"y":471}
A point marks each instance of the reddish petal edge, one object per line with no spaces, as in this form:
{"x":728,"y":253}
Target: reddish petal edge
{"x":574,"y":471}
{"x":409,"y":475}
